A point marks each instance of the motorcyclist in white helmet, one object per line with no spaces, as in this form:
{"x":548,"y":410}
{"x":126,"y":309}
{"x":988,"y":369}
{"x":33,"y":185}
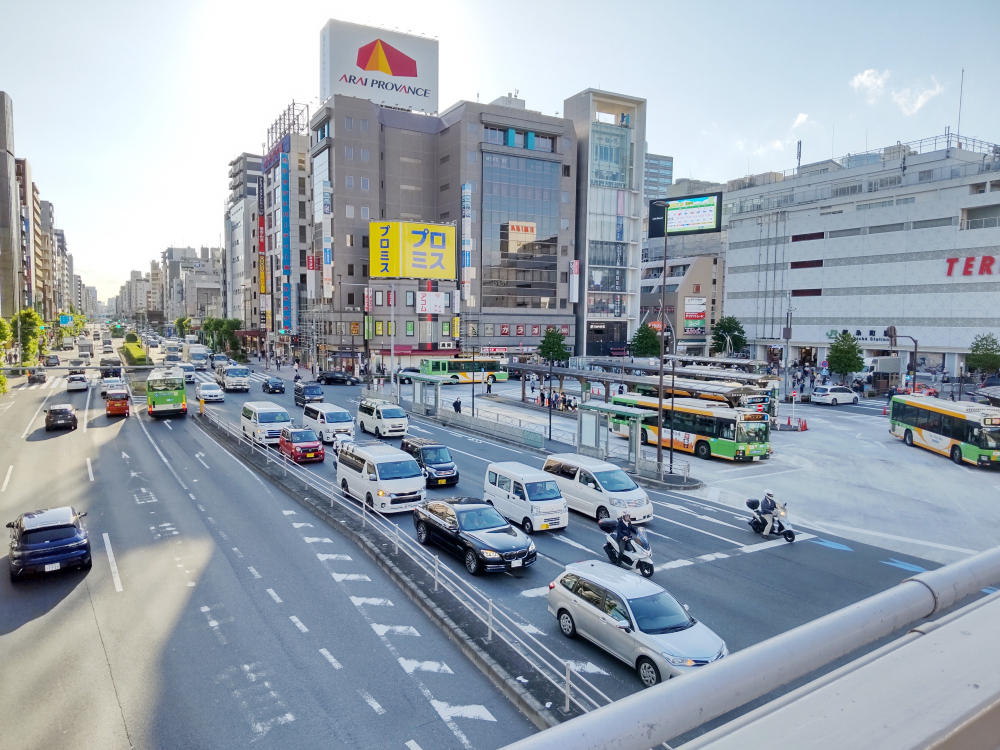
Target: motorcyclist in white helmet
{"x":767,"y":508}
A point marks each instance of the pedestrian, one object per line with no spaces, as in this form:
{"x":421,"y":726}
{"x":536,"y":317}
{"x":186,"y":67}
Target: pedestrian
{"x":457,"y":406}
{"x":532,"y":388}
{"x":812,"y":380}
{"x":489,"y":386}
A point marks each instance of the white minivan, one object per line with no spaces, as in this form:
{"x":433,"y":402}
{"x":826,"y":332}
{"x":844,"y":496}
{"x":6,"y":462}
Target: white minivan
{"x":526,"y":496}
{"x":383,"y":418}
{"x":385,"y":478}
{"x":598,"y":489}
{"x":328,"y":420}
{"x":262,"y":421}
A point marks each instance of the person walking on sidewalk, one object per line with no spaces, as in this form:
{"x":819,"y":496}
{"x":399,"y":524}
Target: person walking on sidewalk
{"x":457,"y":405}
{"x":489,"y":386}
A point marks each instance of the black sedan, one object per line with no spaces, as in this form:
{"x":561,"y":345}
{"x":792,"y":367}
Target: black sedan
{"x":60,"y":415}
{"x":48,"y":540}
{"x":473,"y":530}
{"x":404,"y":378}
{"x":273,"y":385}
{"x":336,"y":377}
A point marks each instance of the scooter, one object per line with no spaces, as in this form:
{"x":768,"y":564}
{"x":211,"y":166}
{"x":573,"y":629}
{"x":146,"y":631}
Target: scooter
{"x":781,"y":526}
{"x":637,"y":555}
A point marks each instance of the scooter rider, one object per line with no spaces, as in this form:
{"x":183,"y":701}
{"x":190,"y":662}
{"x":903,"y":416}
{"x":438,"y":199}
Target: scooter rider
{"x":767,"y":508}
{"x":624,"y":532}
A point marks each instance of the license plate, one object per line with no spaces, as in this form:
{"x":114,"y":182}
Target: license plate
{"x":515,"y":563}
{"x":544,"y":526}
{"x":756,"y":458}
{"x":310,"y":455}
{"x":442,"y":481}
{"x":51,"y":566}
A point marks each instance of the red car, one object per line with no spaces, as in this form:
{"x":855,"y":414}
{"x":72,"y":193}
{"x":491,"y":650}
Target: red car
{"x":301,"y":445}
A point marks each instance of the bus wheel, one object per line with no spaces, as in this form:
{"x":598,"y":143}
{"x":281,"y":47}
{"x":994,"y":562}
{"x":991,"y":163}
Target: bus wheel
{"x":956,"y":454}
{"x":908,"y":438}
{"x":643,"y":437}
{"x":702,"y":451}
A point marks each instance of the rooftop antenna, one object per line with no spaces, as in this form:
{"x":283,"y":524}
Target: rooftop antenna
{"x":961,"y":90}
{"x":798,"y":154}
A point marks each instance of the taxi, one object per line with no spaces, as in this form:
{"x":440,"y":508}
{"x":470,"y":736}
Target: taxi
{"x":117,"y":403}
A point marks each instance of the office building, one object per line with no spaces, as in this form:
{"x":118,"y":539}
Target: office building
{"x":902,"y":236}
{"x":657,"y":175}
{"x":12,"y":282}
{"x":241,"y":287}
{"x":692,"y":298}
{"x":610,"y":130}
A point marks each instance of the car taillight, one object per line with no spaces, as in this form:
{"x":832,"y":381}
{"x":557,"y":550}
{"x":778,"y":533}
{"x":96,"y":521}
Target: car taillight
{"x":552,"y":585}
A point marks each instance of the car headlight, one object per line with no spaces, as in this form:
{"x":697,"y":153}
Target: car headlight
{"x":490,"y":554}
{"x":531,"y":546}
{"x":618,"y":502}
{"x":677,"y":661}
{"x":724,"y":651}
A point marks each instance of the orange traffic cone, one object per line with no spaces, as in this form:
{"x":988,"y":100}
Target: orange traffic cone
{"x":884,"y":412}
{"x":789,"y":421}
{"x":803,"y":426}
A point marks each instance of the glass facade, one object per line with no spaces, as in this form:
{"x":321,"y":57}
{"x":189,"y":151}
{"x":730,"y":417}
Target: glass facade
{"x":610,"y":155}
{"x":520,"y":225}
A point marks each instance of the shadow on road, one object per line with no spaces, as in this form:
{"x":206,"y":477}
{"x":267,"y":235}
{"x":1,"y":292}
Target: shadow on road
{"x":33,"y":596}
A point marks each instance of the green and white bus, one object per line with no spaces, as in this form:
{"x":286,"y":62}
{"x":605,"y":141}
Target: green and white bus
{"x":965,"y":431}
{"x":165,"y":392}
{"x":700,"y":428}
{"x":464,"y":369}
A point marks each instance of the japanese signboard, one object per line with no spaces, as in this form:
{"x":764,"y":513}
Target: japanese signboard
{"x":403,"y":249}
{"x":430,"y":303}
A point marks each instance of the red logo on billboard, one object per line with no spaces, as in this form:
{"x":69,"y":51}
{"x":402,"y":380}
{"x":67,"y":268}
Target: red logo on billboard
{"x":520,"y":330}
{"x":385,"y":58}
{"x":536,"y":330}
{"x":505,"y":329}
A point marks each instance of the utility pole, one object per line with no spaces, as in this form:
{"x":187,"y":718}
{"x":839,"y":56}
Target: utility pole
{"x":663,"y":316}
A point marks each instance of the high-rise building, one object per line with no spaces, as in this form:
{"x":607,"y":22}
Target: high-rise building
{"x":611,"y":133}
{"x":657,"y":175}
{"x":241,"y":287}
{"x":12,"y":282}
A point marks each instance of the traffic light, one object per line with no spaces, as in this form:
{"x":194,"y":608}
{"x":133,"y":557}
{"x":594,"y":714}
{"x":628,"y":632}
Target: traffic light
{"x":890,"y":333}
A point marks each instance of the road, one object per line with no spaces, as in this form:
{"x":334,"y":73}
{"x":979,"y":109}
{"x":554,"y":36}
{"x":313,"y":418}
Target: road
{"x":221,"y":625}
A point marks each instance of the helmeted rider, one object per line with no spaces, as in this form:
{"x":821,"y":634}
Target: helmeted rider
{"x":624,"y":532}
{"x":767,"y":508}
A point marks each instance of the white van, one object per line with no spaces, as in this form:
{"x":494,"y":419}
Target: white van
{"x":385,"y":478}
{"x":526,"y":496}
{"x":383,"y":418}
{"x":598,"y":489}
{"x":262,"y":421}
{"x":328,"y":420}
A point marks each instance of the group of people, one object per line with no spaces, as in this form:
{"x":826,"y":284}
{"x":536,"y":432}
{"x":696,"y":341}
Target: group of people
{"x":559,"y":401}
{"x":808,"y":374}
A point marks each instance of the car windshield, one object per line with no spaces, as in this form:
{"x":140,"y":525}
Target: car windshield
{"x":304,"y":436}
{"x":399,"y":469}
{"x":543,"y":491}
{"x":312,"y":390}
{"x":165,"y":384}
{"x":479,"y":519}
{"x":338,"y":416}
{"x":270,"y":417}
{"x":238,"y":372}
{"x":659,"y":613}
{"x":54,"y":534}
{"x":209,"y":387}
{"x":751,"y":432}
{"x":393,"y":412}
{"x":274,"y":381}
{"x":438,"y":455}
{"x":615,"y":480}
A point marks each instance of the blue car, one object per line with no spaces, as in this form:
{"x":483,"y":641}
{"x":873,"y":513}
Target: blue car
{"x":48,"y":540}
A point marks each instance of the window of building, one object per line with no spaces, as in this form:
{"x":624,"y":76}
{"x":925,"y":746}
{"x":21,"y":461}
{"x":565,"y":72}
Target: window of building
{"x":470,"y":157}
{"x":518,"y":139}
{"x":564,"y":223}
{"x":444,"y":187}
{"x":350,"y":297}
{"x":565,"y":196}
{"x":808,"y":236}
{"x":302,"y":209}
{"x":364,"y":183}
{"x":349,"y":152}
{"x":364,"y":241}
{"x":904,"y":201}
{"x":364,"y":214}
{"x":564,"y":251}
{"x":350,"y":269}
{"x":350,"y":240}
{"x":562,"y":304}
{"x":349,"y":180}
{"x":269,"y":221}
{"x":925,"y":175}
{"x":349,"y":212}
{"x":364,"y":154}
{"x":564,"y":277}
{"x":807,"y":292}
{"x":565,"y":171}
{"x":364,"y":269}
{"x":444,"y":216}
{"x":379,"y":298}
{"x":411,"y":298}
{"x":302,"y":279}
{"x":302,"y":234}
{"x":364,"y":126}
{"x":806,"y":264}
{"x":494,"y":135}
{"x":543,"y":143}
{"x":473,"y":128}
{"x":567,"y":144}
{"x":444,"y":159}
{"x":348,"y":123}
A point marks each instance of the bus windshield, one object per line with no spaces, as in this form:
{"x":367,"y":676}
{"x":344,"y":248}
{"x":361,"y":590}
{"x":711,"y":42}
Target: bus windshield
{"x":237,"y":372}
{"x":989,"y":438}
{"x":165,"y":384}
{"x":751,"y":432}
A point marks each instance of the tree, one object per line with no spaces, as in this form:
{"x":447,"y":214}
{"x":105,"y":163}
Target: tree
{"x":984,"y":355}
{"x":731,"y":327}
{"x":5,"y":332}
{"x":210,"y":327}
{"x":228,"y":328}
{"x":845,"y":355}
{"x":131,"y":338}
{"x":28,"y":324}
{"x":645,"y":342}
{"x":552,"y":348}
{"x":182,"y":325}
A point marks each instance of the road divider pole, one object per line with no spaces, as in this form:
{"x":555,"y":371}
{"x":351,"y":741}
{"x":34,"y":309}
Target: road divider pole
{"x":568,"y":670}
{"x":436,"y":561}
{"x":489,"y":630}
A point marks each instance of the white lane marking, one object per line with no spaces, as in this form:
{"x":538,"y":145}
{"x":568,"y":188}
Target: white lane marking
{"x":713,"y":556}
{"x":201,"y":507}
{"x":757,"y":476}
{"x":752,"y":465}
{"x":585,"y":667}
{"x":288,"y":512}
{"x":529,"y":628}
{"x":26,"y":429}
{"x":238,"y":553}
{"x":312,"y":539}
{"x":274,"y":596}
{"x":674,"y":564}
{"x":160,"y":453}
{"x":298,"y":624}
{"x":211,"y":520}
{"x":412,"y":665}
{"x":300,"y":525}
{"x":253,"y":571}
{"x":359,"y":601}
{"x":371,"y":702}
{"x":394,"y":629}
{"x":114,"y":565}
{"x":411,"y":745}
{"x":682,"y":509}
{"x":824,"y":524}
{"x":7,"y":478}
{"x":329,"y":657}
{"x":339,"y":577}
{"x":168,"y":425}
{"x":86,"y":408}
{"x":90,"y":472}
{"x":570,"y":542}
{"x":199,"y":457}
{"x":695,"y":528}
{"x":323,"y":557}
{"x":448,"y":712}
{"x":774,"y":543}
{"x":533,"y":593}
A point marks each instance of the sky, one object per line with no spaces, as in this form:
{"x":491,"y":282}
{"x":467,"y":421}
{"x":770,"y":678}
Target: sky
{"x":129,"y":113}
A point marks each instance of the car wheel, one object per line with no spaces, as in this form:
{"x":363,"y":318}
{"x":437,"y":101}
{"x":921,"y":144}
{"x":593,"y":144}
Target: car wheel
{"x":833,"y":402}
{"x":602,"y":514}
{"x":956,"y":454}
{"x":908,"y":438}
{"x":423,"y":536}
{"x":527,"y":526}
{"x":471,"y":562}
{"x":566,"y":624}
{"x":702,"y":450}
{"x":647,"y":672}
{"x":854,"y":400}
{"x":369,"y":500}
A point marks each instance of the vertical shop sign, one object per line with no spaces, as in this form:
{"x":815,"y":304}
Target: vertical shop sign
{"x":286,"y":237}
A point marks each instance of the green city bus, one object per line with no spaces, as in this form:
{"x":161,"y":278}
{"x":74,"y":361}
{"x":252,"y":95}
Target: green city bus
{"x":165,"y":393}
{"x":464,"y":369}
{"x":965,"y":431}
{"x":701,"y":428}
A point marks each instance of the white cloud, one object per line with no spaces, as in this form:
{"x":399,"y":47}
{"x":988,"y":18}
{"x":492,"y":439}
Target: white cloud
{"x":772,"y":146}
{"x":871,"y":82}
{"x":910,"y":100}
{"x":802,"y":119}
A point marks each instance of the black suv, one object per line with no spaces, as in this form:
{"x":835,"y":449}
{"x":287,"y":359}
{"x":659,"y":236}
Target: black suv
{"x":273,"y":384}
{"x":60,"y":415}
{"x":435,"y":458}
{"x":336,"y":377}
{"x":307,"y":392}
{"x":47,"y":540}
{"x":476,"y":532}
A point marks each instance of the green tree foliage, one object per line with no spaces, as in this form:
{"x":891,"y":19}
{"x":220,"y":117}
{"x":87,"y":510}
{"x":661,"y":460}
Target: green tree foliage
{"x":182,"y":325}
{"x":645,"y":342}
{"x":210,"y":327}
{"x":984,"y":355}
{"x":29,"y":324}
{"x":134,"y":354}
{"x":5,"y":332}
{"x":131,"y":338}
{"x":728,"y":326}
{"x":845,"y":355}
{"x":552,"y":348}
{"x":228,"y":329}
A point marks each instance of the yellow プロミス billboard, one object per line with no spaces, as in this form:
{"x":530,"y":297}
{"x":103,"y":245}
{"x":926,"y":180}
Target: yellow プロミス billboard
{"x":411,"y":250}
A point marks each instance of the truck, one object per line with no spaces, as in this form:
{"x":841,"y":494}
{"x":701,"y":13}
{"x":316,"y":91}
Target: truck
{"x":67,"y":343}
{"x":196,"y":354}
{"x":86,"y":346}
{"x":891,"y":370}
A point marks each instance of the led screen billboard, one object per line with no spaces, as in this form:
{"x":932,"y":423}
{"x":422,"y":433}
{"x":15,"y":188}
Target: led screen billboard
{"x":692,"y":214}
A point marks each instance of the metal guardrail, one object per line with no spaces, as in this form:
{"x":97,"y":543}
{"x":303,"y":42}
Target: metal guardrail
{"x":496,"y":622}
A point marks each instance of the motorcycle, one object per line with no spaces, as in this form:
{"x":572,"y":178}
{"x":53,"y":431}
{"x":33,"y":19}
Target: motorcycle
{"x":637,"y":555}
{"x":781,"y":527}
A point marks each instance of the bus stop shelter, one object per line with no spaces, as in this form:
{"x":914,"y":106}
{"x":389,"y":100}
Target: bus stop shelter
{"x":592,"y":427}
{"x":427,"y":392}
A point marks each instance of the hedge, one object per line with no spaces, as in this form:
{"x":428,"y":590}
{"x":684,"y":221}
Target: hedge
{"x":134,"y":354}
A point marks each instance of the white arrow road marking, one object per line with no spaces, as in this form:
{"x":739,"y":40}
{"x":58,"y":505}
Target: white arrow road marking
{"x":329,"y":657}
{"x":533,"y":593}
{"x":585,"y":667}
{"x":394,"y":629}
{"x":530,"y":629}
{"x":323,"y":557}
{"x":570,"y":542}
{"x":7,"y":478}
{"x":338,"y":577}
{"x":298,"y":624}
{"x":411,"y":745}
{"x":300,"y":525}
{"x":412,"y":665}
{"x":288,"y":512}
{"x":359,"y":601}
{"x":199,"y":456}
{"x":447,"y":712}
{"x":419,"y":429}
{"x":125,"y":455}
{"x":114,"y":565}
{"x":371,"y":702}
{"x":274,"y":596}
{"x":311,"y":539}
{"x":169,"y":427}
